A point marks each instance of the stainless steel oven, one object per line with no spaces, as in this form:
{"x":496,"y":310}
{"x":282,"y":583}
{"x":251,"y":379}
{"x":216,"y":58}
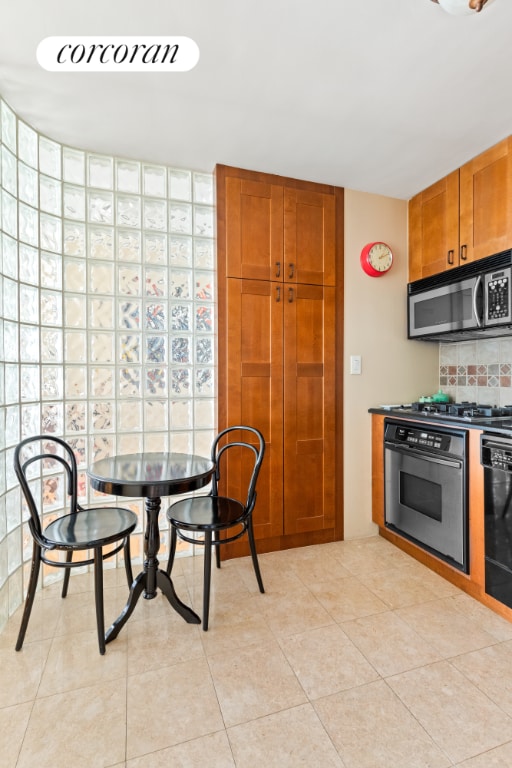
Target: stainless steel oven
{"x":426,"y":488}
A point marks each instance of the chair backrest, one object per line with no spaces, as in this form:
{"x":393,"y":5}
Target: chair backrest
{"x":46,"y":467}
{"x":219,"y":453}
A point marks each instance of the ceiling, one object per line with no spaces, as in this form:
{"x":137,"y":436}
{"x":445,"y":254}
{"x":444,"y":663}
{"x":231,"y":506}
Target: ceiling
{"x":374,"y":95}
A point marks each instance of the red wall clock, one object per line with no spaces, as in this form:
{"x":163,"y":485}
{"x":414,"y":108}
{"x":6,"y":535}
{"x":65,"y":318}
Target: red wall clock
{"x":376,"y":259}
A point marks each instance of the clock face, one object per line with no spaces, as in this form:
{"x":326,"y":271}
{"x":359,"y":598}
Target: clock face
{"x":376,"y":259}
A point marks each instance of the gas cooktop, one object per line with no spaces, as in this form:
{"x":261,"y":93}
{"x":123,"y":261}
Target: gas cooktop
{"x":465,"y":411}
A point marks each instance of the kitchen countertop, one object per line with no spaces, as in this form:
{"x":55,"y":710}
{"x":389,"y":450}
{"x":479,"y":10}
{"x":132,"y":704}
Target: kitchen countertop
{"x":498,"y":426}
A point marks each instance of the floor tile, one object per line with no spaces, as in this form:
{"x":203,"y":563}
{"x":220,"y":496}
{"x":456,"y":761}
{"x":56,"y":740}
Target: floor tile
{"x":13,"y":723}
{"x":490,"y":669}
{"x":501,"y":757}
{"x":21,"y":672}
{"x":212,"y":751}
{"x":347,"y":599}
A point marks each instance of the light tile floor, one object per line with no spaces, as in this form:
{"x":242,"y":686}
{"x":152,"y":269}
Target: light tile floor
{"x":356,"y":656}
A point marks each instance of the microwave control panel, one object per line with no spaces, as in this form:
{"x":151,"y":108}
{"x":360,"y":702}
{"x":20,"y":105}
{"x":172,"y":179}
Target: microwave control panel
{"x":498,"y":296}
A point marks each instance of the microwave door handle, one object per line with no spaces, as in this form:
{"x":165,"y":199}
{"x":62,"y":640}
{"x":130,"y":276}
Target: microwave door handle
{"x":478,"y":283}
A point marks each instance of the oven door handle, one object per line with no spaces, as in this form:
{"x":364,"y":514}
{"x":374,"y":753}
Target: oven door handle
{"x":405,"y":450}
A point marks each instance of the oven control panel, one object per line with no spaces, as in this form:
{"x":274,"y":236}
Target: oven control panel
{"x":496,"y":453}
{"x":497,"y":293}
{"x":432,"y":439}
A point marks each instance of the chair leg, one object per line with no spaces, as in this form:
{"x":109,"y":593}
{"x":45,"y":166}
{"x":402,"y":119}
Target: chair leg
{"x":31,"y":593}
{"x":172,"y":550}
{"x":216,"y":537}
{"x":67,"y":574}
{"x":254,"y":556}
{"x":98,"y":593}
{"x":128,"y":561}
{"x":207,"y":577}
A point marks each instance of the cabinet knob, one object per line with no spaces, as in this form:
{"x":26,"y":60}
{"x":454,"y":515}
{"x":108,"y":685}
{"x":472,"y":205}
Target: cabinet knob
{"x":290,"y":295}
{"x":291,"y":268}
{"x":451,"y":254}
{"x":278,"y":269}
{"x":278,"y":294}
{"x":463,"y":252}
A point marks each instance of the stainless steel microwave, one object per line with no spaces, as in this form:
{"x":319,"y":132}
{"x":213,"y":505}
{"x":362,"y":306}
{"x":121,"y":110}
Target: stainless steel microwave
{"x":466,"y":302}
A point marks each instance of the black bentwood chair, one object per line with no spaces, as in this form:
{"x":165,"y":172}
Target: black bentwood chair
{"x":55,"y":479}
{"x":210,"y":515}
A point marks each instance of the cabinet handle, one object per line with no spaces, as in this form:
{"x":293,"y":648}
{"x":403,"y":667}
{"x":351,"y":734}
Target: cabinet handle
{"x":278,"y":294}
{"x":290,"y":295}
{"x":292,"y":269}
{"x":463,"y":252}
{"x":451,"y":254}
{"x":278,"y":269}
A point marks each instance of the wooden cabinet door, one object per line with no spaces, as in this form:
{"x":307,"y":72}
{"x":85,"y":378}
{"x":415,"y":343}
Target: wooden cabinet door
{"x":434,"y":228}
{"x":254,"y":387}
{"x":486,"y":203}
{"x":309,"y":237}
{"x":253,"y":229}
{"x":309,"y":408}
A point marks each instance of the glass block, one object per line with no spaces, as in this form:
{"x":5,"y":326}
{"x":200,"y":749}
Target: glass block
{"x":204,"y":319}
{"x":180,"y":251}
{"x":14,"y":556}
{"x":27,"y":144}
{"x":74,"y":275}
{"x":102,"y":382}
{"x":127,"y":176}
{"x":129,"y":382}
{"x":155,"y":214}
{"x":9,"y":214}
{"x":128,"y":211}
{"x":76,"y":417}
{"x":182,"y":442}
{"x":204,"y":286}
{"x":129,"y":444}
{"x":180,"y":218}
{"x":129,"y":348}
{"x":156,"y":317}
{"x":204,"y":350}
{"x":74,"y":239}
{"x":73,"y":202}
{"x":155,"y":248}
{"x":29,"y":344}
{"x":30,"y":420}
{"x":101,"y":313}
{"x":129,"y":314}
{"x":12,"y":425}
{"x":101,"y":242}
{"x":204,"y":253}
{"x":10,"y":299}
{"x":100,"y":206}
{"x":128,"y":245}
{"x":180,"y":184}
{"x":51,"y":270}
{"x":180,"y":317}
{"x":180,"y":349}
{"x":129,"y":416}
{"x":129,"y":281}
{"x":155,"y":181}
{"x":155,"y":349}
{"x":50,"y":195}
{"x":156,"y":381}
{"x":12,"y":383}
{"x":29,"y":383}
{"x":75,"y":345}
{"x":155,"y":415}
{"x":10,"y":256}
{"x":49,"y":157}
{"x":51,"y":382}
{"x":73,"y":166}
{"x":101,"y":278}
{"x":203,"y":221}
{"x":157,"y":442}
{"x":180,"y":381}
{"x":203,"y":188}
{"x":8,"y":127}
{"x":11,"y":346}
{"x":75,"y":381}
{"x":75,"y":311}
{"x":9,"y":166}
{"x":79,"y":447}
{"x":181,"y":284}
{"x":102,"y":447}
{"x":100,"y":172}
{"x":51,"y":345}
{"x":27,"y":180}
{"x":156,"y":282}
{"x":181,"y":414}
{"x":28,"y":224}
{"x":102,"y":416}
{"x":204,"y":381}
{"x":50,"y":233}
{"x":101,"y":347}
{"x":51,"y":308}
{"x":51,"y":418}
{"x":29,"y":264}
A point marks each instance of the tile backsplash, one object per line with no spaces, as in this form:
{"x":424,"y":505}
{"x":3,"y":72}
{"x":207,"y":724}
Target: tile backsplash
{"x":477,"y":371}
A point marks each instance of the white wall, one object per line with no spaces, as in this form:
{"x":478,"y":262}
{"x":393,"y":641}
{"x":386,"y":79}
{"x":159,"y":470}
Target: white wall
{"x":394,"y":369}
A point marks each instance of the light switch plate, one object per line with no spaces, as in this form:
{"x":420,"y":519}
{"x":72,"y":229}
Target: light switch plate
{"x":355,"y":364}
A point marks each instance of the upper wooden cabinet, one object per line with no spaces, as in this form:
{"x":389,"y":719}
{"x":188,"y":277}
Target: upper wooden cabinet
{"x":276,"y":230}
{"x":463,"y":217}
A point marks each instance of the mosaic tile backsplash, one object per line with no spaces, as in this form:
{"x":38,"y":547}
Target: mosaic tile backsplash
{"x":107,"y":316}
{"x":478,"y":371}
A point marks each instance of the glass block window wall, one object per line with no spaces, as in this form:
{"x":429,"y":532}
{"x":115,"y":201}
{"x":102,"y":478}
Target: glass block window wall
{"x":107,"y":316}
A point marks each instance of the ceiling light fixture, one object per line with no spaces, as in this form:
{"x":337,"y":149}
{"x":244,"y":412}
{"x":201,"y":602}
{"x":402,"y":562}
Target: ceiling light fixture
{"x":462,"y":7}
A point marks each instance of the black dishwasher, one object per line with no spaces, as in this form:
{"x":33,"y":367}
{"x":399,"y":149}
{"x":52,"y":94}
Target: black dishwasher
{"x":496,"y":458}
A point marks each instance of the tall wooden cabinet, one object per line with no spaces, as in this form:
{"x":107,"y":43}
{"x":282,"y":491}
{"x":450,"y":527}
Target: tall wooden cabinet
{"x":279,"y":245}
{"x":463,"y":217}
